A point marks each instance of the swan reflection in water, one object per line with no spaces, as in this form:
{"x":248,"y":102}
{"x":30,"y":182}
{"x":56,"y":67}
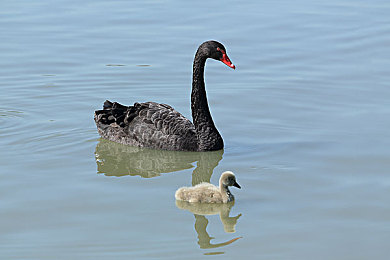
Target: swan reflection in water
{"x":115,"y":159}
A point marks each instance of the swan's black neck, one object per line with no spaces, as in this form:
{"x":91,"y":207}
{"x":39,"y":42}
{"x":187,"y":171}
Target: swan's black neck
{"x":208,"y":135}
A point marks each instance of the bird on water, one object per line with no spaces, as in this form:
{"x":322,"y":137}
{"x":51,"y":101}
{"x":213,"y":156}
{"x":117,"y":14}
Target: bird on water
{"x":159,"y":126}
{"x":208,"y":193}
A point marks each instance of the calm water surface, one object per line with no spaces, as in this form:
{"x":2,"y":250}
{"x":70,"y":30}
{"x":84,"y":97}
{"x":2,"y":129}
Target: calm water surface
{"x":305,"y":119}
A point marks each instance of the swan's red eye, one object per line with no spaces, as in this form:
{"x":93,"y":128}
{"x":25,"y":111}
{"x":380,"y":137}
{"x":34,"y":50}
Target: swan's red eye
{"x":222,"y":51}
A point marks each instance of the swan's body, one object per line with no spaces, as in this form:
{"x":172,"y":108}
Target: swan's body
{"x":159,"y":126}
{"x":208,"y":193}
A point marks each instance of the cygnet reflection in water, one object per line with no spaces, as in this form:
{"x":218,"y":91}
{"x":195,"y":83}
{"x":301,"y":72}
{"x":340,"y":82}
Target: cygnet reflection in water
{"x":200,"y":210}
{"x":208,"y":193}
{"x":115,"y":159}
{"x":207,"y":209}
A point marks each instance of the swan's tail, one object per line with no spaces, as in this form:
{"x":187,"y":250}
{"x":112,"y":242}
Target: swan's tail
{"x":112,"y":112}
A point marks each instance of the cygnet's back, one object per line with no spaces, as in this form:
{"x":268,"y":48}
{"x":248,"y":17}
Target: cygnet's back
{"x":203,"y":192}
{"x":208,"y":193}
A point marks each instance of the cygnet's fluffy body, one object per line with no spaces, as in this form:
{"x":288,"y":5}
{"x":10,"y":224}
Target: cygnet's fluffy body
{"x":208,"y":193}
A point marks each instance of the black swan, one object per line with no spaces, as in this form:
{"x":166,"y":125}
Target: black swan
{"x":159,"y":126}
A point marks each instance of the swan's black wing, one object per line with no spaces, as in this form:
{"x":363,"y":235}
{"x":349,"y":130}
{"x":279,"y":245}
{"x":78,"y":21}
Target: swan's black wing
{"x":147,"y":124}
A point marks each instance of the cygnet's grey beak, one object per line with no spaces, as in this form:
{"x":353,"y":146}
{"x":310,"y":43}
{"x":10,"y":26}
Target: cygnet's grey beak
{"x":236,"y":185}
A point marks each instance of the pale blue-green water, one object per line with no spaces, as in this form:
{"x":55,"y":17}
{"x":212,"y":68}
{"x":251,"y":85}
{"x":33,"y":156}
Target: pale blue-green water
{"x":305,"y":118}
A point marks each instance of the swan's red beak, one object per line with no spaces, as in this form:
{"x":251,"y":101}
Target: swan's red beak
{"x":225,"y":59}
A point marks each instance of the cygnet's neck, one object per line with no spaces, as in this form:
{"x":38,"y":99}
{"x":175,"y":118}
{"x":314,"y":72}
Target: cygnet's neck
{"x":227,"y":196}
